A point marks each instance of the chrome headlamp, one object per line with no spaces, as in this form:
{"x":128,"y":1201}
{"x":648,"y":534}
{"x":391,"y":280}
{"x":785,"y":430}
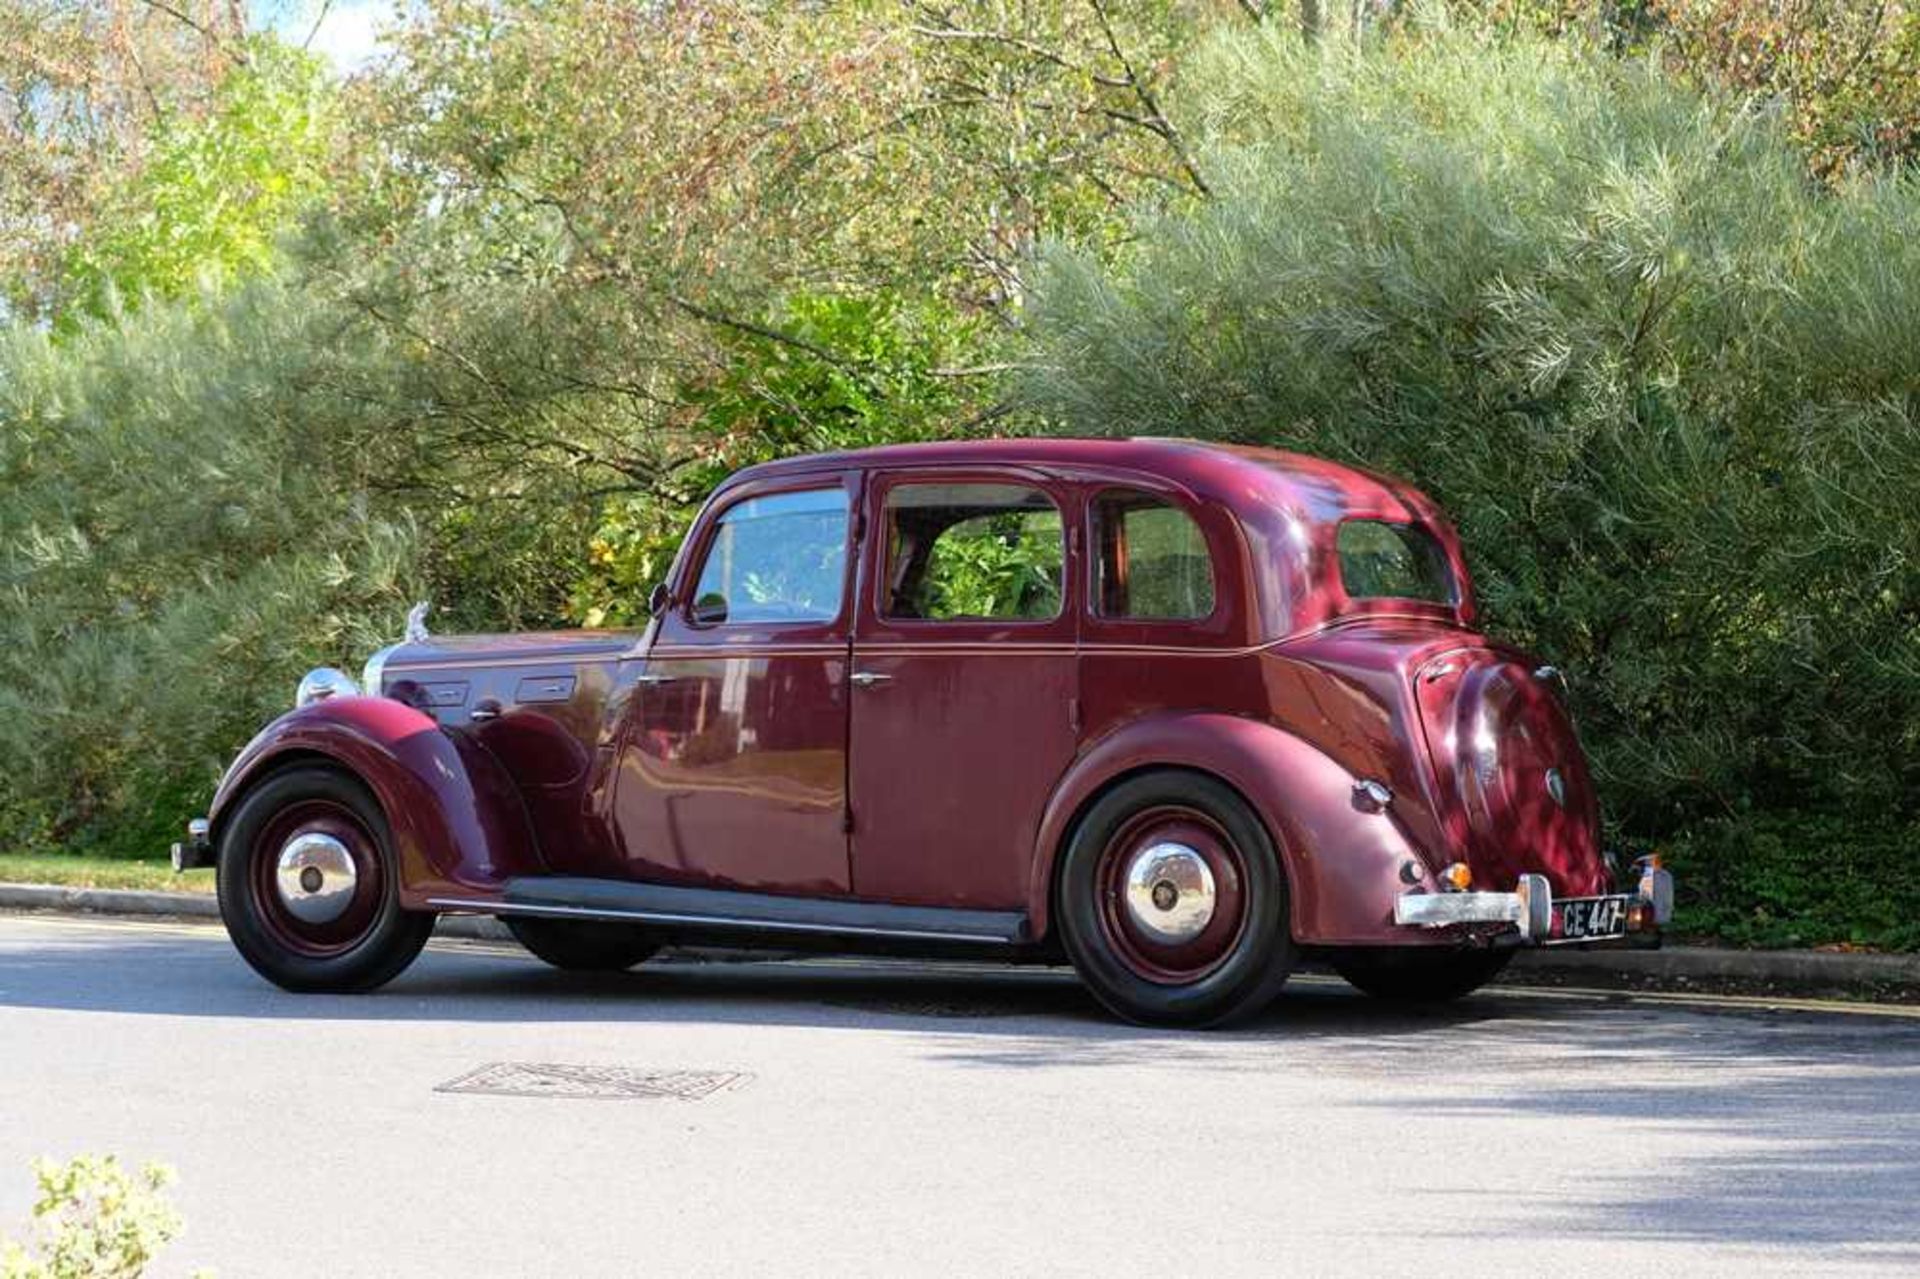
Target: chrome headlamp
{"x":322,"y":683}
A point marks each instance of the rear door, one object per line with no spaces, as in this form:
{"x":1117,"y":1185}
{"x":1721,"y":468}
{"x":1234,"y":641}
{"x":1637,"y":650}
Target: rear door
{"x":964,"y":682}
{"x":733,"y":758}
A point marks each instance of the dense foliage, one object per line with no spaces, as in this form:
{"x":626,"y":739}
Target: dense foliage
{"x":88,"y":90}
{"x":1630,"y":286}
{"x":1669,"y":389}
{"x":182,"y":535}
{"x":213,"y":195}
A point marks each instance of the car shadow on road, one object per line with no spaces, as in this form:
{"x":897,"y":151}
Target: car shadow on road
{"x":139,"y":972}
{"x":126,"y":970}
{"x":1051,"y":1015}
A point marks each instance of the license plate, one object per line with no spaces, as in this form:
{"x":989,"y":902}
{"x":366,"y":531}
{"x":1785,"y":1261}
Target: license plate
{"x":1592,"y":918}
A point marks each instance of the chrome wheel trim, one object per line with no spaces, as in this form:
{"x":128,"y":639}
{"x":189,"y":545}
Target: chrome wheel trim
{"x":1170,"y":895}
{"x":315,"y":877}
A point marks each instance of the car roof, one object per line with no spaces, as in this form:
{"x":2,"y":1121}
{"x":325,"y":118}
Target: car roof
{"x":1235,"y":475}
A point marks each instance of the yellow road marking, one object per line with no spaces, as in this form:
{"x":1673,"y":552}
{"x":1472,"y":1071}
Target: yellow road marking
{"x":78,"y":923}
{"x":1750,"y":1003}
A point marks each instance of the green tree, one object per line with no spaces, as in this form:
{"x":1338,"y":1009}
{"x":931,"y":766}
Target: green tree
{"x":213,"y":195}
{"x":185,"y":527}
{"x":86,"y":88}
{"x":862,"y":370}
{"x":1666,"y":387}
{"x":591,"y":266}
{"x":1844,"y":73}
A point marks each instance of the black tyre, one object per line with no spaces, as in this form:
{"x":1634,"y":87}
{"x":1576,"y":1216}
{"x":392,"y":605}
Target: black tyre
{"x":1173,"y":904}
{"x":582,"y":945}
{"x":1419,"y":974}
{"x":308,"y":886}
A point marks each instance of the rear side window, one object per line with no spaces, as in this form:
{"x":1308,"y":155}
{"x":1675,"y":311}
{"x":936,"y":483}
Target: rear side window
{"x":972,"y":551}
{"x":1151,"y":561}
{"x":1382,"y":560}
{"x":780,"y":558}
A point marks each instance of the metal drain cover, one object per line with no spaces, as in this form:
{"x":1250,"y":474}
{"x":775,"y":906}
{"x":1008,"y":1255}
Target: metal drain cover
{"x":552,"y":1079}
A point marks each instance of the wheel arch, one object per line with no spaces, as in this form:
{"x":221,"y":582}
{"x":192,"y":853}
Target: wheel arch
{"x":1108,"y":785}
{"x":237,"y":782}
{"x":1341,"y":863}
{"x":456,"y":821}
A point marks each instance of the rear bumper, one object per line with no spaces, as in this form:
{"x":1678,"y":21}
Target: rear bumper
{"x":1532,"y":917}
{"x":195,"y":850}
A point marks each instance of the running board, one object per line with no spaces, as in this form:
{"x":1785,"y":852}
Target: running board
{"x":712,"y":910}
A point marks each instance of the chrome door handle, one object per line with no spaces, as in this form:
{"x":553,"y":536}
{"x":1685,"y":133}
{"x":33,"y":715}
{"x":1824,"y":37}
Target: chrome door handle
{"x":655,"y":680}
{"x":867,"y":679}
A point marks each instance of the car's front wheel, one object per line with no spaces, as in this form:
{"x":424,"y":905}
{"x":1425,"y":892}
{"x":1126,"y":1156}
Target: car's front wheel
{"x":1419,"y":974}
{"x":308,"y":886}
{"x":582,"y":945}
{"x":1173,"y":903}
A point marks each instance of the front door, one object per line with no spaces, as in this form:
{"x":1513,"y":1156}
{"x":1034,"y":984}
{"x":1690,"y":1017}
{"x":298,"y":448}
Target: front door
{"x":733,"y":756}
{"x":963,"y":684}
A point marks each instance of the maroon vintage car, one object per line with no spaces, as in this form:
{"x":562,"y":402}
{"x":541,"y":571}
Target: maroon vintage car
{"x":1175,"y":712}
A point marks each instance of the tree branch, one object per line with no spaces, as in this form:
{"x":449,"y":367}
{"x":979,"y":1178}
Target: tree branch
{"x":1156,"y":119}
{"x":752,"y":329}
{"x":163,"y":7}
{"x":325,"y":7}
{"x":1039,"y":51}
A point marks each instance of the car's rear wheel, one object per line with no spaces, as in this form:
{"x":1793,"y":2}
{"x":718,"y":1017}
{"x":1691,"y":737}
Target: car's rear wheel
{"x":1419,"y":974}
{"x":582,"y":945}
{"x":308,"y":887}
{"x":1173,"y":904}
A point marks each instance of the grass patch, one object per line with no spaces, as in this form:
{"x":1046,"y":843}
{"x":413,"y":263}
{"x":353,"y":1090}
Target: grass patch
{"x":70,"y":871}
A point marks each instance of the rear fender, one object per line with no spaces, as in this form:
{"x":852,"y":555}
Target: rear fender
{"x":1342,"y":861}
{"x":458,"y":825}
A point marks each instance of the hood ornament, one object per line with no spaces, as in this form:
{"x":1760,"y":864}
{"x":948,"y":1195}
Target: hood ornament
{"x":1556,"y":788}
{"x":417,"y":623}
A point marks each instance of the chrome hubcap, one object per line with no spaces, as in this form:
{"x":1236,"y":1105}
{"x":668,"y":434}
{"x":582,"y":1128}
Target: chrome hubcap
{"x":1170,"y":893}
{"x":315,"y":878}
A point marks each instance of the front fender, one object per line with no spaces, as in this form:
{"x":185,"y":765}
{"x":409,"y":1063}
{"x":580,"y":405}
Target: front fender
{"x":458,"y":824}
{"x":1342,"y":862}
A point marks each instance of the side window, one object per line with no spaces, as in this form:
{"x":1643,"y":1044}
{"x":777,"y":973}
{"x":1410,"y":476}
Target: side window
{"x":1151,"y":559}
{"x":1382,"y":560}
{"x":957,"y":551}
{"x":780,"y":558}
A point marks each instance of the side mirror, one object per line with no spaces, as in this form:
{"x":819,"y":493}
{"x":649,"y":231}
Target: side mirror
{"x":659,"y":600}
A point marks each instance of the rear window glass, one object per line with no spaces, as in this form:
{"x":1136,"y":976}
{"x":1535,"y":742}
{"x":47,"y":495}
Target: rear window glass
{"x":1381,"y":560}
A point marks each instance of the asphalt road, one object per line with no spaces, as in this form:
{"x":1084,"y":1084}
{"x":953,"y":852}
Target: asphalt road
{"x":860,"y":1118}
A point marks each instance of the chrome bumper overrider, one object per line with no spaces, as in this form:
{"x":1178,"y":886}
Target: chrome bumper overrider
{"x":1529,"y":907}
{"x":195,"y":850}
